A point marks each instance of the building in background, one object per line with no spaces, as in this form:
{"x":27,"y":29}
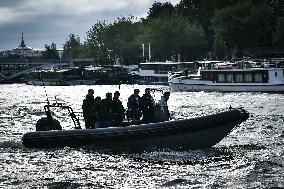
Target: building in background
{"x":23,"y":50}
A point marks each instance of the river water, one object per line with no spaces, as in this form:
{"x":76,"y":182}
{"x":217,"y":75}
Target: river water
{"x":251,"y":156}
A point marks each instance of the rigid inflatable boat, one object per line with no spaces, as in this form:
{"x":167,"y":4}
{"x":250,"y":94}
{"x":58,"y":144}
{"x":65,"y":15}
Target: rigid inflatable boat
{"x":193,"y":133}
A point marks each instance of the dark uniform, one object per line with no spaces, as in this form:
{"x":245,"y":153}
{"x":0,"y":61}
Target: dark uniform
{"x":147,"y":107}
{"x":98,"y":111}
{"x":88,"y":113}
{"x":117,"y":110}
{"x":164,"y":106}
{"x":106,"y":111}
{"x":133,"y":105}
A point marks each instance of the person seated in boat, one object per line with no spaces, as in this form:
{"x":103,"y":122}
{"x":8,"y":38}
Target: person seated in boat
{"x":164,"y":105}
{"x":117,"y":109}
{"x":147,"y":107}
{"x":97,"y":111}
{"x":106,"y":113}
{"x":87,"y":107}
{"x":133,"y":105}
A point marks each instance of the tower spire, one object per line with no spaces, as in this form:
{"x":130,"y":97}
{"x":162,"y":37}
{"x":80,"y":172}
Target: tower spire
{"x":22,"y":42}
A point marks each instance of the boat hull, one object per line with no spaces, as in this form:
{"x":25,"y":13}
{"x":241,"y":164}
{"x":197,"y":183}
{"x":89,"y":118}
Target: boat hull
{"x":194,"y":133}
{"x":228,"y":87}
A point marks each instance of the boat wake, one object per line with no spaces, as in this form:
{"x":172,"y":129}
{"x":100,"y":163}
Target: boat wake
{"x":191,"y":157}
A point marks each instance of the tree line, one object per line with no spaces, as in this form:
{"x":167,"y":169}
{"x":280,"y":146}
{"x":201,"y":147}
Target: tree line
{"x":191,"y":30}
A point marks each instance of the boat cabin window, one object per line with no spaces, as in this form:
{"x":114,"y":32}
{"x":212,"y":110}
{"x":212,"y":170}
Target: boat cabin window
{"x":221,"y":77}
{"x":275,"y":74}
{"x":239,"y":78}
{"x":258,"y":78}
{"x":248,"y":77}
{"x":194,"y":77}
{"x":229,"y":78}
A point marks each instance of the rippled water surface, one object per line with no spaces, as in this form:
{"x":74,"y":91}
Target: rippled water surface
{"x":250,"y":157}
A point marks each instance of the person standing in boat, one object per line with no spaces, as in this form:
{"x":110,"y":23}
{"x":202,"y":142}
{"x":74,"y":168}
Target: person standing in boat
{"x":106,"y":113}
{"x":88,"y":112}
{"x":133,"y":105}
{"x":97,"y":111}
{"x":164,"y":105}
{"x":147,"y":107}
{"x":117,"y":109}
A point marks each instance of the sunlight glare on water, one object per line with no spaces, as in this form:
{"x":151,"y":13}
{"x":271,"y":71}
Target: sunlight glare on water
{"x":250,"y":157}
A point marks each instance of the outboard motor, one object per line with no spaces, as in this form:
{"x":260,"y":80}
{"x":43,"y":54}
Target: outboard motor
{"x":46,"y":124}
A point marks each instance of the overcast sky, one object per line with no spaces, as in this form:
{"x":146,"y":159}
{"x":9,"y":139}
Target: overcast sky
{"x":47,"y":21}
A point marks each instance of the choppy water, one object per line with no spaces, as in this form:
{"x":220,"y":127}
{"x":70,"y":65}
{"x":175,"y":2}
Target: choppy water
{"x":250,"y":157}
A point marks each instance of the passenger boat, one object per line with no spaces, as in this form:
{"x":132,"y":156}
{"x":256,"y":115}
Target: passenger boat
{"x":229,"y":78}
{"x":157,"y":72}
{"x":193,"y":133}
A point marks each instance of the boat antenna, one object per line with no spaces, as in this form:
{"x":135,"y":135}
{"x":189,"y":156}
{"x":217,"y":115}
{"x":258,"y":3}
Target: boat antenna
{"x":47,"y":108}
{"x":55,"y":99}
{"x":119,"y":85}
{"x":47,"y":100}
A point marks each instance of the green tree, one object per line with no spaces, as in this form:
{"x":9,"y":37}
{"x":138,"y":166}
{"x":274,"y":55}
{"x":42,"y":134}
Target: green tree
{"x":72,"y":47}
{"x":200,"y":12}
{"x":244,"y":26}
{"x":116,"y":41}
{"x":219,"y":48}
{"x":120,"y":40}
{"x":51,"y":52}
{"x":96,"y":42}
{"x":159,"y":9}
{"x":277,"y":7}
{"x":191,"y":28}
{"x":172,"y":34}
{"x":278,"y":35}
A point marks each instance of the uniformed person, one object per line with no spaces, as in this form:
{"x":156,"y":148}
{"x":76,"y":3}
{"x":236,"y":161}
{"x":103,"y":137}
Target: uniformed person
{"x":117,"y":109}
{"x":98,"y":111}
{"x":164,"y":105}
{"x":133,"y":105}
{"x":106,"y":113}
{"x":147,"y":107}
{"x":88,"y":112}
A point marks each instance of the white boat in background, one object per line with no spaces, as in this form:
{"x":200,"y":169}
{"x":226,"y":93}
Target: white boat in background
{"x":157,"y":72}
{"x":229,"y":77}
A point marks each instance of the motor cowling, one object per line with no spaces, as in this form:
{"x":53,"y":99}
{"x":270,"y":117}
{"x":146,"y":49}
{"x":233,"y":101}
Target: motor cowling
{"x":45,"y":124}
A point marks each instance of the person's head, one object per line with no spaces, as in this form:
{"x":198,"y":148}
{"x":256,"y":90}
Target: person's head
{"x":136,"y":91}
{"x":116,"y":94}
{"x":90,"y":92}
{"x":98,"y":99}
{"x":109,"y":95}
{"x":167,"y":94}
{"x":147,"y":91}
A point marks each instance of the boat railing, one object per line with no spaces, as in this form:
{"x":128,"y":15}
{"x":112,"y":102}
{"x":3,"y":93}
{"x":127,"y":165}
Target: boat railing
{"x":61,"y":105}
